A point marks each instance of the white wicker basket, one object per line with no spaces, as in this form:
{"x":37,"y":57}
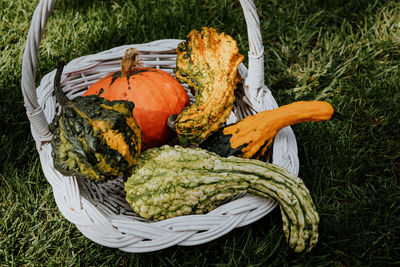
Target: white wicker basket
{"x":99,"y":211}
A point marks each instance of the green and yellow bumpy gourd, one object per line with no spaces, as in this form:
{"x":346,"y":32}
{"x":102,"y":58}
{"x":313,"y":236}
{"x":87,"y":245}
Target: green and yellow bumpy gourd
{"x":92,"y":137}
{"x":175,"y":181}
{"x":208,"y":63}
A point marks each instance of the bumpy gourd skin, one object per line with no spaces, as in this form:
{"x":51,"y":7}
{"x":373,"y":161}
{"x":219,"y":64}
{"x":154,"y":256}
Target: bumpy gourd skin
{"x":207,"y":62}
{"x":94,"y":138}
{"x":175,"y":181}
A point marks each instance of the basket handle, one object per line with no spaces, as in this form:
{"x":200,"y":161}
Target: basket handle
{"x":255,"y":77}
{"x":35,"y":113}
{"x":39,"y":124}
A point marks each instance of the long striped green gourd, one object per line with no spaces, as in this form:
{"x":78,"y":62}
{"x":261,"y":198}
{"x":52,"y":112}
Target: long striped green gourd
{"x":175,"y":181}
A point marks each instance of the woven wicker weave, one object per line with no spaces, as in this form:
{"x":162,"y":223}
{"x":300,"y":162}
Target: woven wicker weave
{"x":100,"y":211}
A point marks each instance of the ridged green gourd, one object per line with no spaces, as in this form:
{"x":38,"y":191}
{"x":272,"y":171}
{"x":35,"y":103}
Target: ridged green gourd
{"x":92,"y":137}
{"x":174,"y":181}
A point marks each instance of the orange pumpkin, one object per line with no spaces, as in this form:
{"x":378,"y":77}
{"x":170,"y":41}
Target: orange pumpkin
{"x":155,"y":93}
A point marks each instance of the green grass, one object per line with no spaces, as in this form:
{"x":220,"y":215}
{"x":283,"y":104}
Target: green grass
{"x":345,"y":52}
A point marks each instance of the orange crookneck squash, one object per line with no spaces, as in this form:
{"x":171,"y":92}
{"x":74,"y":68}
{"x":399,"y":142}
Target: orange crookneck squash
{"x":253,"y":136}
{"x":155,"y":93}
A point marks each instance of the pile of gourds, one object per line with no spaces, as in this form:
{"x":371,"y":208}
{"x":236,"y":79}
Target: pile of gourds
{"x":123,"y":123}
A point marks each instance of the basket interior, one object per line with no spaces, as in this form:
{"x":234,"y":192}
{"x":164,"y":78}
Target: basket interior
{"x":79,"y":74}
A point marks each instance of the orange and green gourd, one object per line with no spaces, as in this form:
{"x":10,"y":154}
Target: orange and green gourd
{"x":252,"y":136}
{"x":93,"y":138}
{"x":207,"y":61}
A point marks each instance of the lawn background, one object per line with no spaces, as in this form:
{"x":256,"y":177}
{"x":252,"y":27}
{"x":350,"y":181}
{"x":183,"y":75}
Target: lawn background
{"x":344,"y":52}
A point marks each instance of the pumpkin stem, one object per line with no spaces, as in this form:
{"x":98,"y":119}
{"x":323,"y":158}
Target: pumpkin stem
{"x":130,"y":61}
{"x":61,"y":97}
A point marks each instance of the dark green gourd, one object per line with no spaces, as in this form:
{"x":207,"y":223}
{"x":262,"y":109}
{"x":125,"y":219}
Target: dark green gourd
{"x":175,"y":181}
{"x":93,"y":137}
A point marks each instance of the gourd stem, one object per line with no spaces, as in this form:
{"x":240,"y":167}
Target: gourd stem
{"x":130,"y":61}
{"x":61,"y":97}
{"x":171,"y":122}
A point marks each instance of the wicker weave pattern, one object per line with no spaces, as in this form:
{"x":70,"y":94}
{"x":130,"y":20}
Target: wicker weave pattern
{"x":99,"y":211}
